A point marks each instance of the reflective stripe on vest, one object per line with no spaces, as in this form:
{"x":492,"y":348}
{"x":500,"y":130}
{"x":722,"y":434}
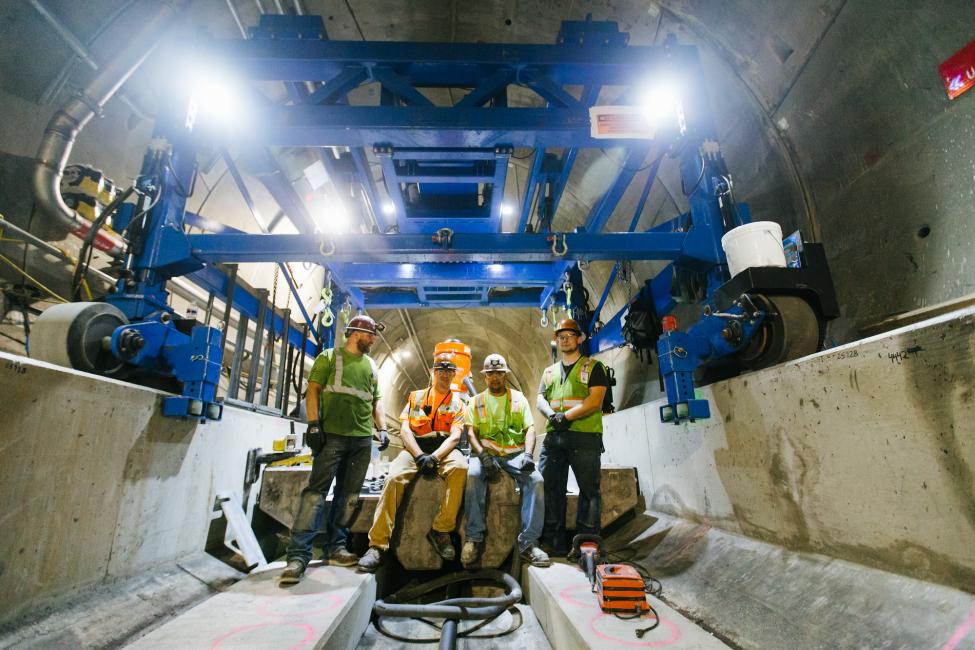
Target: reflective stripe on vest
{"x":518,"y":424}
{"x":563,"y":395}
{"x":337,"y":387}
{"x":438,"y":423}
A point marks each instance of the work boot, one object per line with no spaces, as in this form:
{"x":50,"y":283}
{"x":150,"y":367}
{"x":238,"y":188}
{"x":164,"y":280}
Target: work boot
{"x":536,"y":557}
{"x":369,"y":562}
{"x":442,"y":544}
{"x":342,"y":557}
{"x":292,"y":573}
{"x":470,"y":553}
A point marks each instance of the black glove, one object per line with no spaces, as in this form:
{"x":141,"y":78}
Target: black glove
{"x":559,"y":422}
{"x":427,"y":464}
{"x":315,"y":438}
{"x":383,"y":437}
{"x":490,"y":467}
{"x":525,"y":462}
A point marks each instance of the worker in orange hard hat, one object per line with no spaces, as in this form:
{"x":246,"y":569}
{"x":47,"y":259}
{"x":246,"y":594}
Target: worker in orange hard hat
{"x":432,"y":422}
{"x":570,"y":395}
{"x":343,"y":404}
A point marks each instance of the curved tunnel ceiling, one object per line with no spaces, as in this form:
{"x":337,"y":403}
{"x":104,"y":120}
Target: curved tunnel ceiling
{"x":830,"y":114}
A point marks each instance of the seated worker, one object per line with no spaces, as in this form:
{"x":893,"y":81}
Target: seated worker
{"x":570,"y":395}
{"x":503,"y":439}
{"x":433,"y":419}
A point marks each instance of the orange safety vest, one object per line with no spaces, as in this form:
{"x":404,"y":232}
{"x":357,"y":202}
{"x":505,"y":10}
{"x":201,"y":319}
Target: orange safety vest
{"x":441,"y":417}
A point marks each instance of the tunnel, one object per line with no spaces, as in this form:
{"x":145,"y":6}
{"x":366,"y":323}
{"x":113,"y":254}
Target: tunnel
{"x":198,"y":198}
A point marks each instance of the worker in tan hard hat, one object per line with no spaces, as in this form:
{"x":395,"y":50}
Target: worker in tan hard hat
{"x":570,"y":395}
{"x":343,"y":406}
{"x":433,"y":419}
{"x":502,"y":440}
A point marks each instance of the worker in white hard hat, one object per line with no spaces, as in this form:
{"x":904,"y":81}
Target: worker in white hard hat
{"x":433,"y":420}
{"x":343,"y":405}
{"x":502,"y":440}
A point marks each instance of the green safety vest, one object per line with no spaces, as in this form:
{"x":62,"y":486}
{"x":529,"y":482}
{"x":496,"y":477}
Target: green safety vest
{"x":335,"y":408}
{"x":562,"y":396}
{"x":504,"y":437}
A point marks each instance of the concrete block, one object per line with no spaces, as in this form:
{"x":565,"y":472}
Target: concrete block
{"x":329,"y":608}
{"x":842,"y":453}
{"x":562,"y":599}
{"x":503,"y":522}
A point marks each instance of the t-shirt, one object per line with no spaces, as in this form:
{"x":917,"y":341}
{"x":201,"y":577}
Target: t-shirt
{"x":342,"y":413}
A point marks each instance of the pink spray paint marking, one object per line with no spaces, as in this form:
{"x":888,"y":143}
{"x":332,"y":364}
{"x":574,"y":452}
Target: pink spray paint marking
{"x":268,"y":605}
{"x":961,"y":631}
{"x":309,"y":633}
{"x":652,"y":643}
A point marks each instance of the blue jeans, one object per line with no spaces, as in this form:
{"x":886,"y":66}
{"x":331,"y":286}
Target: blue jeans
{"x":345,"y":460}
{"x":532,"y":502}
{"x":580,"y":451}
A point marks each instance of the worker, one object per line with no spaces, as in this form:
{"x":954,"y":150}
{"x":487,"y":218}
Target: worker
{"x":570,"y":395}
{"x":503,"y":438}
{"x":343,"y":405}
{"x":432,"y":422}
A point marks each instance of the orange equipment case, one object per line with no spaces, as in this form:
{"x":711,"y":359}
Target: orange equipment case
{"x":620,"y":588}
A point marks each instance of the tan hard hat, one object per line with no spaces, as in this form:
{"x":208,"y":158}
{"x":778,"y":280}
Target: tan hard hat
{"x":444,"y":360}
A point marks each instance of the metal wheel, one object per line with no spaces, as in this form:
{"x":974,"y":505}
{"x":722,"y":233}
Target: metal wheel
{"x":792,"y":330}
{"x":73,"y":334}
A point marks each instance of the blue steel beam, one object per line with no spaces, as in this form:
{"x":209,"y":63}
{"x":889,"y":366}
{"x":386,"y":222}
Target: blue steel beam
{"x":413,"y":126}
{"x":447,"y":64}
{"x":531,"y":188}
{"x":407,"y":300}
{"x":464,"y":247}
{"x":627,"y":170}
{"x":390,"y":275}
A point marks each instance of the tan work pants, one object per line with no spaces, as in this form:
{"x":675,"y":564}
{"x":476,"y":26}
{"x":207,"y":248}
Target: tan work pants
{"x":453,"y":470}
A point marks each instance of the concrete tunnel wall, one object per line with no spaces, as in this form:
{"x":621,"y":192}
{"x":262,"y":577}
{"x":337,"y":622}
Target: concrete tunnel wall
{"x":95,"y":484}
{"x":864,"y":453}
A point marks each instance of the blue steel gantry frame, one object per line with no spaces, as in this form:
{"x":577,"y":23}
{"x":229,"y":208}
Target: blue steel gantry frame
{"x":444,"y":168}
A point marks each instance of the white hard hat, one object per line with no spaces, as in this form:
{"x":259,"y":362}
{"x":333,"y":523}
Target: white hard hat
{"x":494,"y":363}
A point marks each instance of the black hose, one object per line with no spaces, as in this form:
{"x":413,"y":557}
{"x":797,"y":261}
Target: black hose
{"x":452,"y":609}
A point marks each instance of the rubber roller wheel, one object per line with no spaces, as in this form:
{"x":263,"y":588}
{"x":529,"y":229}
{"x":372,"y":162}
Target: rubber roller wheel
{"x":791,"y":331}
{"x":72,"y":335}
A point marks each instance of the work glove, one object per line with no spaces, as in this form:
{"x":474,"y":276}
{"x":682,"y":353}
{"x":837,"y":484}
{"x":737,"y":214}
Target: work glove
{"x":383,"y":437}
{"x":559,"y":422}
{"x":490,"y":466}
{"x":524,"y":462}
{"x":427,"y":464}
{"x":315,"y":438}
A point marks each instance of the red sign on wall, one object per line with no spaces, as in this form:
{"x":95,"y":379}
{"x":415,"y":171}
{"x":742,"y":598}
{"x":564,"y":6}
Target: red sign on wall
{"x":958,"y":72}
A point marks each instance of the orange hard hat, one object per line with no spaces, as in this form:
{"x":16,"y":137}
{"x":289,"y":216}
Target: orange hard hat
{"x":567,"y":325}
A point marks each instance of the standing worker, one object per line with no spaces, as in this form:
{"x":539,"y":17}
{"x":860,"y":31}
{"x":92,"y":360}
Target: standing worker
{"x":343,"y":404}
{"x":433,"y":419}
{"x":504,"y":437}
{"x":571,"y":395}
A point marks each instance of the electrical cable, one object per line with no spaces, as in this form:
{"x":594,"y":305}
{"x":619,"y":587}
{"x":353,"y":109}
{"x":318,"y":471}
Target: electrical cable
{"x":628,"y":169}
{"x":31,"y":278}
{"x":87,"y":249}
{"x":515,"y":613}
{"x":697,"y":183}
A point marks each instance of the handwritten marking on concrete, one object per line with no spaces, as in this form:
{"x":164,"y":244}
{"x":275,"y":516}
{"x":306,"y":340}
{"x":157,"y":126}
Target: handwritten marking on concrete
{"x":308,"y":629}
{"x":650,"y":643}
{"x":905,"y":355}
{"x":961,"y":632}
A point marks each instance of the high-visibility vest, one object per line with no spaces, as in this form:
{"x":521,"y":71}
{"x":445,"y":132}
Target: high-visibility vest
{"x":441,"y":416}
{"x":334,"y":385}
{"x":563,"y":395}
{"x":504,"y":437}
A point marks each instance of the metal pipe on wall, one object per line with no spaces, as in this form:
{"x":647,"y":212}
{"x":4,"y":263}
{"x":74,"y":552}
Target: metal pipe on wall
{"x":256,"y":347}
{"x":61,"y":132}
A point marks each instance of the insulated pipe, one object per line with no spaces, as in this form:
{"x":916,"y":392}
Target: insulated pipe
{"x":464,"y":609}
{"x":61,"y":131}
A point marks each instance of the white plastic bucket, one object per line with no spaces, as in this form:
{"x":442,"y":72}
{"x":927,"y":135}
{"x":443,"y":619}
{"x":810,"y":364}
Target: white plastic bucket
{"x":754,"y":244}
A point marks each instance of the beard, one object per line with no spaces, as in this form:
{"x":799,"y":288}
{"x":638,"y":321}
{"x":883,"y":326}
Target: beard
{"x":363,"y":345}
